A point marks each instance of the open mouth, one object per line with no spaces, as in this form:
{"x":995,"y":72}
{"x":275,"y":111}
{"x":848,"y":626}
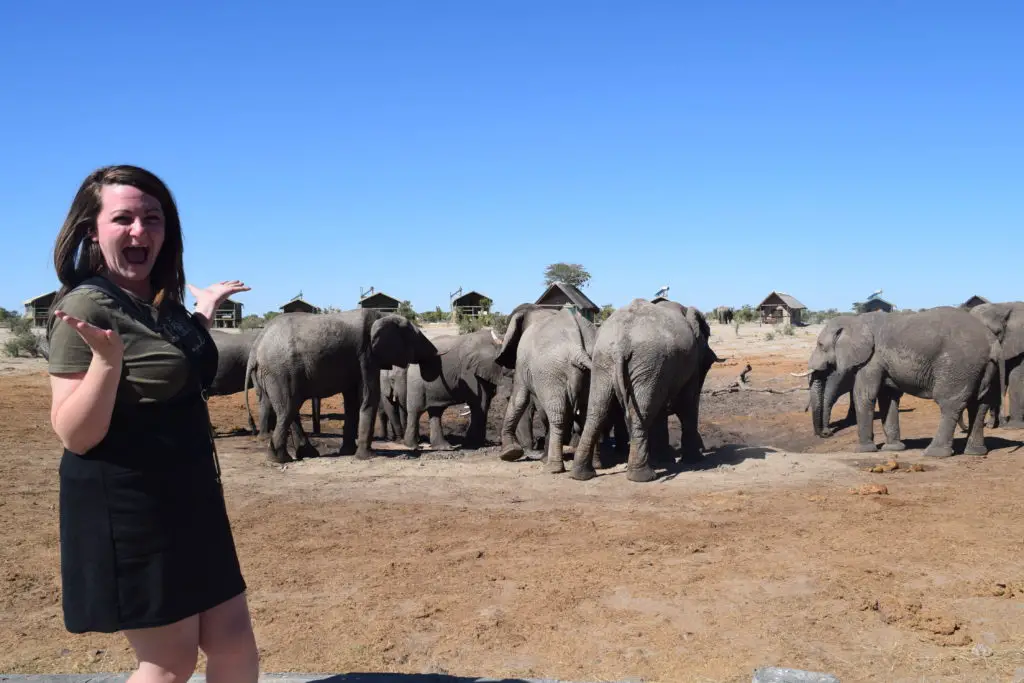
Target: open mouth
{"x":136,"y":255}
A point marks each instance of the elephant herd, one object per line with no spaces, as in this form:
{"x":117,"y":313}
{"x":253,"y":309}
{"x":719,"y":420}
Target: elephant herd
{"x":617,"y":382}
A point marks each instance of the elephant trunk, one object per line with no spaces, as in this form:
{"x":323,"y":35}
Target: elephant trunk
{"x":816,"y":403}
{"x":833,"y":386}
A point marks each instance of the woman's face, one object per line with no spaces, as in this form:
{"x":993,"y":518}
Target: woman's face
{"x":130,"y":232}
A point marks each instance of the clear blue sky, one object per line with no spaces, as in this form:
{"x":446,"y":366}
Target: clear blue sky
{"x":723,"y":148}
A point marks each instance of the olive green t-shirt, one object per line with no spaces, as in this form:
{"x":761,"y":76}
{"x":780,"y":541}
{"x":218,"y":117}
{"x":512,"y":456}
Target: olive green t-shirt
{"x":153,"y":370}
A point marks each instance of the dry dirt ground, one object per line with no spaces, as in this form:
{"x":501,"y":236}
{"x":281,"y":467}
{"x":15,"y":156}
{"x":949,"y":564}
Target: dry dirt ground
{"x":460,"y":563}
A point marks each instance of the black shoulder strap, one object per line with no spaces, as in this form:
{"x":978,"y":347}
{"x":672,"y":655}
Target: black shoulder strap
{"x":196,"y":342}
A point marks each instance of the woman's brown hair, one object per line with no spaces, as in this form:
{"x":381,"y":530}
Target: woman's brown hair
{"x":76,"y":257}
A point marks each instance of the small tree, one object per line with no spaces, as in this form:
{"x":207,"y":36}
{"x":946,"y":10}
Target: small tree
{"x":605,"y":313}
{"x":270,"y":315}
{"x":251,"y":322}
{"x":406,"y":311}
{"x":570,"y":273}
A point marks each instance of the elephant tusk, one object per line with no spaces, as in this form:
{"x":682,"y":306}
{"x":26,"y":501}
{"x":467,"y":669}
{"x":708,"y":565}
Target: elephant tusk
{"x":801,"y":374}
{"x":495,"y":337}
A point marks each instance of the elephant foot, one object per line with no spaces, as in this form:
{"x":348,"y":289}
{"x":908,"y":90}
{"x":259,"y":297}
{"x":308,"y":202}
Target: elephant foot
{"x":641,"y":474}
{"x":511,"y":453}
{"x":554,"y":466}
{"x":278,"y":458}
{"x":363,"y":453}
{"x":347,"y":449}
{"x":306,"y":451}
{"x":973,"y":449}
{"x":866,"y":448}
{"x":598,"y":463}
{"x":935,"y":451}
{"x":895,"y":446}
{"x":582,"y":473}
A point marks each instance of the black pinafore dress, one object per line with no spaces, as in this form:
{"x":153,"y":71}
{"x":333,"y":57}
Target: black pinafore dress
{"x":144,"y":534}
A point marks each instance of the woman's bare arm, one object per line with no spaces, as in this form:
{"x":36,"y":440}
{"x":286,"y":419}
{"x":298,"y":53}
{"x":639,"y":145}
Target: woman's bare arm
{"x":82,"y":403}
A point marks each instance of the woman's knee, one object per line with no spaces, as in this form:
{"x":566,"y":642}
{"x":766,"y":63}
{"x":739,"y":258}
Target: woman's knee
{"x":226,"y":630}
{"x":167,"y":654}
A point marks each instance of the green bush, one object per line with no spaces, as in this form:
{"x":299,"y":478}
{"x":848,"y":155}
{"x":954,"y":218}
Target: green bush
{"x":20,"y":324}
{"x":496,"y":321}
{"x":769,"y":336}
{"x":25,"y":342}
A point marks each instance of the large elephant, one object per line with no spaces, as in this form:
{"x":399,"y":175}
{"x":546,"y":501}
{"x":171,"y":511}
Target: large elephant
{"x":1006,"y":320}
{"x":941,"y":353}
{"x":392,"y":404}
{"x":724,"y":315}
{"x":305,"y":355}
{"x":468,"y":375}
{"x":549,"y":350}
{"x":650,"y":358}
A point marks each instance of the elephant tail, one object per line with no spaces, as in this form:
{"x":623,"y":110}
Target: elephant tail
{"x":250,"y":368}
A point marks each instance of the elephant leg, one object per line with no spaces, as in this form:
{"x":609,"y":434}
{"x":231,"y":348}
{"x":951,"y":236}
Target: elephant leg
{"x":865,"y":392}
{"x":390,"y":419}
{"x":286,"y":411}
{"x":348,"y":439}
{"x":1015,"y":391}
{"x":368,"y":393}
{"x":437,"y":440}
{"x":599,"y":402}
{"x":692,"y":445}
{"x":559,"y":421}
{"x":976,"y":420}
{"x":889,"y":407}
{"x":315,"y":401}
{"x":479,"y":406}
{"x":941,"y":445}
{"x":303,"y":447}
{"x":658,"y":443}
{"x":382,"y":419}
{"x":620,"y":429}
{"x":638,"y":466}
{"x":518,"y":404}
{"x":412,"y":425}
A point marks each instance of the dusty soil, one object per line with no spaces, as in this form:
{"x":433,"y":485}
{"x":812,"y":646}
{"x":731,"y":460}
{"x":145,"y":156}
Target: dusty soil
{"x":778,"y":548}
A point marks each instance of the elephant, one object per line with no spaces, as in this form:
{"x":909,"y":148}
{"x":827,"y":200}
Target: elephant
{"x":305,"y":355}
{"x":549,"y":351}
{"x":651,"y":358}
{"x":724,"y":315}
{"x":392,"y":413}
{"x":942,"y":353}
{"x":1006,"y":321}
{"x":468,"y":374}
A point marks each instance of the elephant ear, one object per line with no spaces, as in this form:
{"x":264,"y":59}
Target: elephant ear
{"x":698,"y":322}
{"x":585,"y":333}
{"x":854,"y":344}
{"x":1013,"y":344}
{"x":388,"y":346}
{"x":506,"y":357}
{"x":480,"y":359}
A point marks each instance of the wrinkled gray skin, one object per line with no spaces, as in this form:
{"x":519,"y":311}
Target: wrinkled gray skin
{"x":944,"y":353}
{"x":1006,"y":321}
{"x":392,"y":404}
{"x":549,"y":350}
{"x":468,"y":375}
{"x":650,"y":358}
{"x":304,"y":355}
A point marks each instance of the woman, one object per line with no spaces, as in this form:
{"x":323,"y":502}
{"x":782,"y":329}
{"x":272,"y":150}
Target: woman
{"x":146,"y":547}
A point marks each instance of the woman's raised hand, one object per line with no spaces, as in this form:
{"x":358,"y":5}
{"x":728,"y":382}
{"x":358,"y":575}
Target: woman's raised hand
{"x":105,"y":344}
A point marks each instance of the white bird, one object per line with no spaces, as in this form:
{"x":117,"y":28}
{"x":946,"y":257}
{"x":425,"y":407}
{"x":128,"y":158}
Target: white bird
{"x":875,"y":294}
{"x":662,"y":292}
